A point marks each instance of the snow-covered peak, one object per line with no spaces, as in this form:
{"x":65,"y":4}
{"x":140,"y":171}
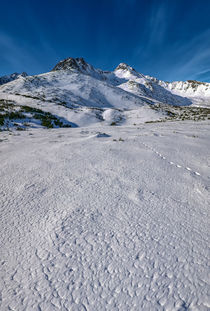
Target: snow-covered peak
{"x":127,"y":72}
{"x":79,"y":65}
{"x":125,"y":67}
{"x":11,"y":77}
{"x":198,"y":92}
{"x":70,"y":63}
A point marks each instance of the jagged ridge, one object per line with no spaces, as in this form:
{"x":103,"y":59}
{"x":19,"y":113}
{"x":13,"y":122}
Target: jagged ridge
{"x":11,"y":77}
{"x":62,"y":80}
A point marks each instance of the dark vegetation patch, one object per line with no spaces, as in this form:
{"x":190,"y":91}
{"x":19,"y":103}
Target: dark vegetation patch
{"x":21,"y":117}
{"x":181,"y":113}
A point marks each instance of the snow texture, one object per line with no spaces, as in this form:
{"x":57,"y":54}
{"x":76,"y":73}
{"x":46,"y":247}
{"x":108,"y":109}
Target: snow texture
{"x":109,"y":220}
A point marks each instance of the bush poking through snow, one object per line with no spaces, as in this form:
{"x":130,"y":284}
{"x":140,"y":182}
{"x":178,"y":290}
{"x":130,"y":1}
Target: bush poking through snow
{"x":22,"y":117}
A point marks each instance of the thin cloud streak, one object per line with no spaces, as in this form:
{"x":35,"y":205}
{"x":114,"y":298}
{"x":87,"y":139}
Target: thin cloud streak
{"x":193,"y":56}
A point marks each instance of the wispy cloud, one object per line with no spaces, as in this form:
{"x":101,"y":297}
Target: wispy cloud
{"x":184,"y":58}
{"x":203,"y":75}
{"x":157,"y":25}
{"x":20,"y":57}
{"x":154,"y":31}
{"x":192,"y":57}
{"x":26,"y":50}
{"x":11,"y":52}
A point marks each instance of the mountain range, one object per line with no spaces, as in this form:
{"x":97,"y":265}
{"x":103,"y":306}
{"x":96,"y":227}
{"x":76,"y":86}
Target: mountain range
{"x":74,"y":86}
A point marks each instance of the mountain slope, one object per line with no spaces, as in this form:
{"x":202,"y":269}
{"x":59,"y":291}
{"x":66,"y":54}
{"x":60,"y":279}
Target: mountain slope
{"x":73,"y":88}
{"x":197,"y":92}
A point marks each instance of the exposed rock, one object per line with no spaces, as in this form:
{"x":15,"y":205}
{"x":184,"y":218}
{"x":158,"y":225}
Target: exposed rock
{"x":72,"y":64}
{"x":13,"y":76}
{"x":123,"y":66}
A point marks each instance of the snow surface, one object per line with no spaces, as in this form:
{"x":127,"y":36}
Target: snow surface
{"x":82,"y":115}
{"x":109,"y":218}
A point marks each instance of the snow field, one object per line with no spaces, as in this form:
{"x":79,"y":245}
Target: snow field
{"x":91,"y":222}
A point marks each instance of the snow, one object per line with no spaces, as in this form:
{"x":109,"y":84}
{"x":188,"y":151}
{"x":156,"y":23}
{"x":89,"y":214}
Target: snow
{"x":113,"y":213}
{"x":75,"y":89}
{"x":92,"y":116}
{"x":109,"y":218}
{"x":198,"y":93}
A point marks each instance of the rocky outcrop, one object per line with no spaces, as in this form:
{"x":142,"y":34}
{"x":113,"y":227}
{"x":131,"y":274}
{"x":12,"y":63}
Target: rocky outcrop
{"x":71,"y":63}
{"x":13,"y":76}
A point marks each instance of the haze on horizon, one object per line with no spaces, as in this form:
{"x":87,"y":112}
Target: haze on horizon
{"x":166,"y":39}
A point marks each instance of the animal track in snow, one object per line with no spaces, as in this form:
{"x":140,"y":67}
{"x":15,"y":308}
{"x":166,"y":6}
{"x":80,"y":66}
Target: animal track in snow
{"x":171,"y":162}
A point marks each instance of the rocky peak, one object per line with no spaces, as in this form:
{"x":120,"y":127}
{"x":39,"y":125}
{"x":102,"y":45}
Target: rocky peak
{"x":123,"y":66}
{"x":71,"y":63}
{"x":11,"y":77}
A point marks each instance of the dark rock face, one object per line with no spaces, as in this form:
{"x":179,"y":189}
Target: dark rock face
{"x":194,"y":84}
{"x":124,"y":66}
{"x":13,"y":76}
{"x":72,"y":63}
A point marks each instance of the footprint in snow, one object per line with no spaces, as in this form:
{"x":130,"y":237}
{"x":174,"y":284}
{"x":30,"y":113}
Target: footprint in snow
{"x":170,"y":162}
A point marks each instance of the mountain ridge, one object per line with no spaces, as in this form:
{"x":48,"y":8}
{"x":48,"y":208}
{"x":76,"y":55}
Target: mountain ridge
{"x":190,"y":92}
{"x":80,"y":95}
{"x":8,"y":78}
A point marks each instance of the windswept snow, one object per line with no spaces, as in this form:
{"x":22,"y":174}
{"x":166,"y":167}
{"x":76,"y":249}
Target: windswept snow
{"x":113,"y":213}
{"x":116,"y":220}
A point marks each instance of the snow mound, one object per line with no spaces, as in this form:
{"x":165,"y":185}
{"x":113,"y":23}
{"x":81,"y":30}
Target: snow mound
{"x":112,"y":116}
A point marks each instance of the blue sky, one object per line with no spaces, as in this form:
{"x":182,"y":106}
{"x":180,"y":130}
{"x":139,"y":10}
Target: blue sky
{"x":166,"y":39}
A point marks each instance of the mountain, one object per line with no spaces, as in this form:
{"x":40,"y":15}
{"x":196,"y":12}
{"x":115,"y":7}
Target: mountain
{"x":76,"y":82}
{"x":74,"y":90}
{"x":197,"y":92}
{"x":13,"y":76}
{"x":124,"y":76}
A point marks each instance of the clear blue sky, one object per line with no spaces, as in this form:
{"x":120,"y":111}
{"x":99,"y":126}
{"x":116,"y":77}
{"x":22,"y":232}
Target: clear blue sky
{"x":168,"y":39}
